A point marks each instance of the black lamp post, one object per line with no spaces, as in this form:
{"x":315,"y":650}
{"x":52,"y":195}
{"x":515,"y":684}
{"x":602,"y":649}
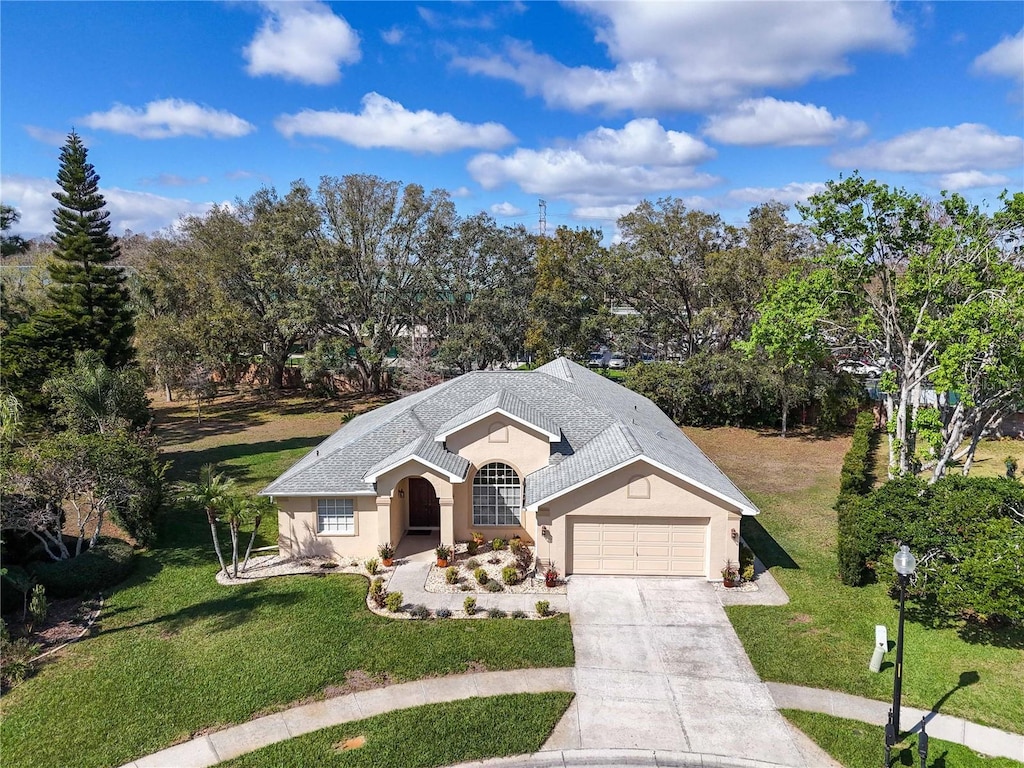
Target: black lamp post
{"x":904,"y":563}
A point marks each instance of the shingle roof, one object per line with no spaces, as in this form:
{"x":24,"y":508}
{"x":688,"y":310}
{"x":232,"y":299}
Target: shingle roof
{"x":601,"y":425}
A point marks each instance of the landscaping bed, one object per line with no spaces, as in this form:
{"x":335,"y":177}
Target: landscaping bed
{"x":493,"y":563}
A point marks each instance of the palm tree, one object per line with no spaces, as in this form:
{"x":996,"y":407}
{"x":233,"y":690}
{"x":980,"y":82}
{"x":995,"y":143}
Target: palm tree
{"x":213,"y":492}
{"x":256,"y":508}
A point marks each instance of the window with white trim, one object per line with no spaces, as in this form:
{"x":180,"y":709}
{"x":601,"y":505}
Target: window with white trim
{"x":335,"y":516}
{"x":497,"y":495}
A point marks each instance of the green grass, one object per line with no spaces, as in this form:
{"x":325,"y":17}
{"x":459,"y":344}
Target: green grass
{"x":859,"y":745}
{"x":823,"y":638}
{"x":432,"y":735}
{"x":176,"y":653}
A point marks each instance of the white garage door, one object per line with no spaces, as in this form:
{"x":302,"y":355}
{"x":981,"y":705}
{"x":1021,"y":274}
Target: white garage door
{"x":642,"y":546}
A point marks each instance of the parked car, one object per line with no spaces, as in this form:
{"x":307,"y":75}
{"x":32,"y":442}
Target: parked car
{"x":858,"y":368}
{"x":618,"y":361}
{"x":599,"y":359}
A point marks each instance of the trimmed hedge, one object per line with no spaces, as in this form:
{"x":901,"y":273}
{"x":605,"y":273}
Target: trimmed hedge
{"x":968,"y":539}
{"x":109,"y":563}
{"x":854,"y":483}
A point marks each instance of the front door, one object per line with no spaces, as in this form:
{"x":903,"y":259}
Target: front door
{"x":424,"y":509}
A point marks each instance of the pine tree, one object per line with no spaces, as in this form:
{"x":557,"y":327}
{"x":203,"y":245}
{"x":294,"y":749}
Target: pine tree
{"x":88,"y":296}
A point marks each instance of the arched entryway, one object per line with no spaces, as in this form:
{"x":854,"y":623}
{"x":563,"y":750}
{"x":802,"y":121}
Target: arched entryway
{"x":424,"y":508}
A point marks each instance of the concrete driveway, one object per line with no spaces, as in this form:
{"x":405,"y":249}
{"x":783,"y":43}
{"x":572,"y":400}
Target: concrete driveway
{"x":659,"y":667}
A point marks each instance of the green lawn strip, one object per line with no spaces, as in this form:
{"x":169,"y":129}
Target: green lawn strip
{"x":856,"y":745}
{"x":431,"y":735}
{"x":823,"y":638}
{"x":177,"y":653}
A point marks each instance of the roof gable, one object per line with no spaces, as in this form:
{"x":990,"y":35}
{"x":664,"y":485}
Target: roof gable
{"x":505,"y":403}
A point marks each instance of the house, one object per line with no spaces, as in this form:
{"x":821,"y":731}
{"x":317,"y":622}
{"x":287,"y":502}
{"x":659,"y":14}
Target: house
{"x":593,"y":474}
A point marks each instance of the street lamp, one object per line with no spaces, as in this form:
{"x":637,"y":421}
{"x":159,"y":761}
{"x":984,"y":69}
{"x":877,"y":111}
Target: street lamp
{"x":904,"y":563}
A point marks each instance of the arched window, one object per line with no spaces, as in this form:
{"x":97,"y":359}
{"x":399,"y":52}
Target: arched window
{"x":497,"y":495}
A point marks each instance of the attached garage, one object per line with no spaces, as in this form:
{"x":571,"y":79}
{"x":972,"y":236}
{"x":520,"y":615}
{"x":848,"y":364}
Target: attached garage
{"x":655,"y":546}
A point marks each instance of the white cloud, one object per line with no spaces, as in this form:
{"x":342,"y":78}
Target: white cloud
{"x":971,"y":180}
{"x":462,"y":191}
{"x":768,"y":121}
{"x":170,"y":118}
{"x":386,"y":123}
{"x":393,"y":36}
{"x":1005,"y":59}
{"x":966,"y":147}
{"x":604,"y":166}
{"x":302,"y":41}
{"x":174,"y":180}
{"x":794,"y":192}
{"x":129,"y":209}
{"x":694,"y":56}
{"x":506,"y":209}
{"x":47,"y":136}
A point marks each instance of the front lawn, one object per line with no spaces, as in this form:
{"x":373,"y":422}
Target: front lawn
{"x":856,"y":744}
{"x":823,"y":638}
{"x":177,"y":654}
{"x":422,"y":737}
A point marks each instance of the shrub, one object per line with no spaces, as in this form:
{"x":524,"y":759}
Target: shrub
{"x":543,"y":607}
{"x":517,"y":614}
{"x":330,"y":565}
{"x":443,"y":613}
{"x":496,"y":613}
{"x":419,"y":612}
{"x":16,"y":660}
{"x":497,"y":544}
{"x":469,"y":605}
{"x":471,"y":548}
{"x":510,"y":575}
{"x":524,"y":557}
{"x":372,"y":565}
{"x":109,"y":563}
{"x":480,"y":575}
{"x":854,"y":482}
{"x":393,"y":601}
{"x":967,"y":536}
{"x":493,"y":586}
{"x":37,"y":605}
{"x":472,"y":564}
{"x":451,"y":575}
{"x":377,"y":592}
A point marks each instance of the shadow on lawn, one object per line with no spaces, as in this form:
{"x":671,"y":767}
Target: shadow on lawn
{"x":928,"y":614}
{"x":765,"y":547}
{"x":186,"y":464}
{"x":221,"y":614}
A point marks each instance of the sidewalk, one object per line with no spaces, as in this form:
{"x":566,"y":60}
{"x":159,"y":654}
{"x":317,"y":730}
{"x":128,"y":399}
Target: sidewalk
{"x":210,"y":749}
{"x":987,"y":741}
{"x":409,"y":578}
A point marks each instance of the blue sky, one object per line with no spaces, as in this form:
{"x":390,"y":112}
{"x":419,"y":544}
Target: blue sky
{"x":591,"y":106}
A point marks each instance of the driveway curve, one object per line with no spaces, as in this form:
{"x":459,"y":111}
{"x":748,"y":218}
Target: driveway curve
{"x":660,"y":668}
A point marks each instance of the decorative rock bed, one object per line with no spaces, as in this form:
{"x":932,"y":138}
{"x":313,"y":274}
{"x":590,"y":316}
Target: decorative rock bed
{"x":532,"y":584}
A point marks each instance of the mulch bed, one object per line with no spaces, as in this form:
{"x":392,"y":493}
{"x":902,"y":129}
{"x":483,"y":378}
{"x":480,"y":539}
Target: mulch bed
{"x":65,"y":620}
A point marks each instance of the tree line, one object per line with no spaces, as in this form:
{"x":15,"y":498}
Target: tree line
{"x":758,"y":319}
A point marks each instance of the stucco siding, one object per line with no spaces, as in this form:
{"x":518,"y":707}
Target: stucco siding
{"x":498,"y":438}
{"x":298,"y":536}
{"x":667,"y":497}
